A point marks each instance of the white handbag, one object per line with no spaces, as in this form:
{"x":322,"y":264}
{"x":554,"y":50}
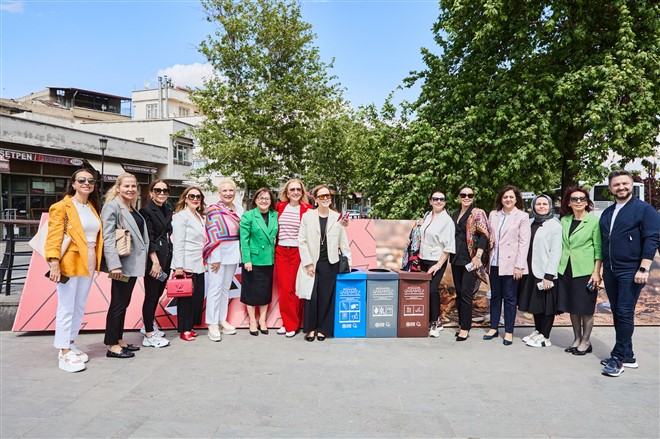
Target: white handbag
{"x":38,"y":241}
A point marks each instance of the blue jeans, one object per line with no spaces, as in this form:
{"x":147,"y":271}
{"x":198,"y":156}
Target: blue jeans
{"x":502,"y":288}
{"x":623,"y":293}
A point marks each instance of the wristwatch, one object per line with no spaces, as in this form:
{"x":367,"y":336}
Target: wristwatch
{"x":642,"y":270}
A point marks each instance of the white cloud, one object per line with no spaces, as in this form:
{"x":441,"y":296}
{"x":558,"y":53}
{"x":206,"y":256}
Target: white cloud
{"x":12,"y":7}
{"x":187,"y":75}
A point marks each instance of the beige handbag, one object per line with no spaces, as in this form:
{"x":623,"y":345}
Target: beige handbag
{"x":38,"y":241}
{"x":122,"y":239}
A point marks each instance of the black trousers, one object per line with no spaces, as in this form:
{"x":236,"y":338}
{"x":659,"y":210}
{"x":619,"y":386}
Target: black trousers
{"x":320,"y":308}
{"x":543,"y":324}
{"x":153,"y":289}
{"x":120,"y":298}
{"x":464,"y":283}
{"x":434,"y":290}
{"x":189,"y":309}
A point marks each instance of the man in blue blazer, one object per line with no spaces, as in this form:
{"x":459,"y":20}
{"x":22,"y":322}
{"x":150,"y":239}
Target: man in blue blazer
{"x":630,"y":231}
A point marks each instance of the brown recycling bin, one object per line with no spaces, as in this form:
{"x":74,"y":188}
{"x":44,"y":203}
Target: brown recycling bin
{"x":413,"y":304}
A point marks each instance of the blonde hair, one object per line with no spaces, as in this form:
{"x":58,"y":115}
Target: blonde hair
{"x":113,"y":192}
{"x":284,"y":192}
{"x":224,"y":181}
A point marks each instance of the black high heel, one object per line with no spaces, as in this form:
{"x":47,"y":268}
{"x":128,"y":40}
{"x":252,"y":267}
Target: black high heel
{"x":310,"y":337}
{"x":255,"y":333}
{"x":320,"y":337}
{"x":263,"y":331}
{"x":490,"y":337}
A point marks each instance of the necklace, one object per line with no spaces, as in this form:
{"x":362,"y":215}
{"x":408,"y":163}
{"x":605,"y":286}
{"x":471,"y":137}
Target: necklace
{"x":78,"y":203}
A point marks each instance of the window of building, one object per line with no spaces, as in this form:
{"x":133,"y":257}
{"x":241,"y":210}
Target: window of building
{"x":184,"y":112}
{"x":182,"y":153}
{"x":152,"y":111}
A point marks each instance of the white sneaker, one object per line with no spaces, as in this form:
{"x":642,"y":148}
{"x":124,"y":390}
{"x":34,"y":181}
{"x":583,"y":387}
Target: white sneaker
{"x":70,"y":362}
{"x":157,"y":331}
{"x":155,"y":341}
{"x":539,"y":342}
{"x":83,"y":356}
{"x":435,"y":331}
{"x":290,"y":334}
{"x":281,"y":330}
{"x":226,"y":328}
{"x":530,"y":336}
{"x":214,"y":333}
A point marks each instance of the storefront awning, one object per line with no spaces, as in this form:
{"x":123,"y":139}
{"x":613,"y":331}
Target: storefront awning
{"x":109,"y":168}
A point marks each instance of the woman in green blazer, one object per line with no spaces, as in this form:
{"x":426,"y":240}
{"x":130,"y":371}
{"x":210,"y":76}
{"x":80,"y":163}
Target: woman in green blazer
{"x":579,"y":267}
{"x":258,"y":233}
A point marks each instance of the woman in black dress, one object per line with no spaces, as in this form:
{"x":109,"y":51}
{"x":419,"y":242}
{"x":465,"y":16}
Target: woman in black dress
{"x":158,"y":216}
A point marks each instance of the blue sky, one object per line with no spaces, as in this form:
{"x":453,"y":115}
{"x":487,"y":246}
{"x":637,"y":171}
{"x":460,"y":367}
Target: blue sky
{"x":116,"y":46}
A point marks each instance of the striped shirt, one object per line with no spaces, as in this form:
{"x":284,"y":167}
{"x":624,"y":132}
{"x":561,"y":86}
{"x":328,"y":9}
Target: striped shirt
{"x":289,"y":225}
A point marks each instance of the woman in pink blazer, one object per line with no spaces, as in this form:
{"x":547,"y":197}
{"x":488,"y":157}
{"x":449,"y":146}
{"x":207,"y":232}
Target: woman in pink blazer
{"x":508,"y":261}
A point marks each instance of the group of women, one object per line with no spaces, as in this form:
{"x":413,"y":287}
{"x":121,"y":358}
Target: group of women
{"x":197,"y":242}
{"x":535,"y":264}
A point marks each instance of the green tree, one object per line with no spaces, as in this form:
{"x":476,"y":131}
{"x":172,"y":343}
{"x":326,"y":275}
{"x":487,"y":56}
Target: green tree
{"x":269,"y":89}
{"x":538,"y":93}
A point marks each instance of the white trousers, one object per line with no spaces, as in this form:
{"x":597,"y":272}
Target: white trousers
{"x":71,"y":302}
{"x":217,"y":294}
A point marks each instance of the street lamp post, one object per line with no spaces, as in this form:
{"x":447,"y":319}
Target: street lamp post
{"x":103,"y":144}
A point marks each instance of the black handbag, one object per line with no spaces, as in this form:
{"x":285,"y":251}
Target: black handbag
{"x":343,"y":265}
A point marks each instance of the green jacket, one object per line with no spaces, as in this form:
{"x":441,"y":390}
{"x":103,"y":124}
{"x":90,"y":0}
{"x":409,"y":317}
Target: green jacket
{"x":257,"y":239}
{"x":583,"y":247}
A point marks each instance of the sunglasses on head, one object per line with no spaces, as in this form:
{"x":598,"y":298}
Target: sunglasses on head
{"x":295,"y":189}
{"x":194,"y":197}
{"x":470,"y":196}
{"x":82,"y":180}
{"x":436,"y":199}
{"x":159,"y":191}
{"x":578,"y":199}
{"x":324,"y":197}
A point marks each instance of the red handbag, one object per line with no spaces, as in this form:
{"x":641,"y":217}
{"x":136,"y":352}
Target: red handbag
{"x":180,"y":286}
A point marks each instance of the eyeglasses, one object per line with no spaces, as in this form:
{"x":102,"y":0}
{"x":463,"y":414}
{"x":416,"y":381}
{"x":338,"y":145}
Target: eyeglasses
{"x":194,"y":196}
{"x":324,"y":197}
{"x":578,"y":199}
{"x":82,"y":180}
{"x":470,"y":196}
{"x":159,"y":191}
{"x":295,"y":189}
{"x":263,"y":198}
{"x":436,"y":199}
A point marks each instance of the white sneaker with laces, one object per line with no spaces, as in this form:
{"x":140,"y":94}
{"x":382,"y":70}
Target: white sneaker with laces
{"x":156,"y":331}
{"x":435,"y":330}
{"x":290,"y":334}
{"x":530,"y":336}
{"x":155,"y":341}
{"x":226,"y":328}
{"x":214,"y":333}
{"x":70,"y":362}
{"x":539,"y":342}
{"x":281,"y":330}
{"x":83,"y":356}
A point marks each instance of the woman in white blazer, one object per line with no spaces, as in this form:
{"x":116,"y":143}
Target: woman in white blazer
{"x":120,"y":211}
{"x":320,"y":237}
{"x":543,"y":258}
{"x":188,"y":237}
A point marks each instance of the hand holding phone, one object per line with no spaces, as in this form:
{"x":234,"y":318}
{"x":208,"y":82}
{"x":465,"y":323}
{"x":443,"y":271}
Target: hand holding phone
{"x":63,"y":279}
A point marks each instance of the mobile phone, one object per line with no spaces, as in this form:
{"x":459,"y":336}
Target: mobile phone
{"x":590,"y":286}
{"x":121,"y":279}
{"x":63,"y":279}
{"x":469,"y":267}
{"x":162,"y":276}
{"x":540,"y":286}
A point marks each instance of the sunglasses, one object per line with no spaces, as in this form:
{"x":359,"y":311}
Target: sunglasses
{"x":578,"y":199}
{"x":436,"y":199}
{"x":194,"y":196}
{"x":324,"y":197}
{"x":295,"y":189}
{"x":82,"y":180}
{"x":470,"y":196}
{"x":159,"y":191}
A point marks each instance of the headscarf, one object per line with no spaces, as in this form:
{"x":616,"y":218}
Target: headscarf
{"x":541,"y":218}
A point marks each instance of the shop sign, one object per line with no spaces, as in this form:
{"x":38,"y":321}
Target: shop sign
{"x":40,"y":158}
{"x":4,"y":165}
{"x":139,"y":169}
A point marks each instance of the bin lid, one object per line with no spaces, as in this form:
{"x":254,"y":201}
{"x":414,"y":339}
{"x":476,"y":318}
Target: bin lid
{"x":355,"y":274}
{"x":414,"y":275}
{"x":381,"y":274}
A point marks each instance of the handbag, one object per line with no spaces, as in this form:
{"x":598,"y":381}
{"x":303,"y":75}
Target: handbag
{"x":181,"y":286}
{"x":122,"y":239}
{"x":38,"y":241}
{"x":344,"y":267}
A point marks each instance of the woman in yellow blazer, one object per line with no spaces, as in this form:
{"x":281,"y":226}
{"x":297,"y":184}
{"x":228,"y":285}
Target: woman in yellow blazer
{"x":579,"y":266}
{"x":320,"y":237}
{"x":77,"y":216}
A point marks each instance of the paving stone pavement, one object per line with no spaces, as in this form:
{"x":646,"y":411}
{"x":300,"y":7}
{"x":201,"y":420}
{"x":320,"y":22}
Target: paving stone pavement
{"x":270,"y":386}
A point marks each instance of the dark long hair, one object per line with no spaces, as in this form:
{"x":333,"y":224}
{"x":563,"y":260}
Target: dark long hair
{"x":253,"y":203}
{"x":181,"y":204}
{"x":93,"y":197}
{"x":565,"y":209}
{"x":519,"y":201}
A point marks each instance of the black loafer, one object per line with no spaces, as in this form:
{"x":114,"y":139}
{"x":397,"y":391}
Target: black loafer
{"x":121,"y":354}
{"x":131,"y":347}
{"x":570,"y":349}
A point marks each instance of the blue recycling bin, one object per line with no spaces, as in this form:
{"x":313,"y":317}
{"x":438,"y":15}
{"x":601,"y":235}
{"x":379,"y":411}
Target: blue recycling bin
{"x":350,"y":304}
{"x":382,"y":302}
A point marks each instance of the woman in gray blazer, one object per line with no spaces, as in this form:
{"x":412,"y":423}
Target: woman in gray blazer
{"x":120,"y":211}
{"x":538,"y":292}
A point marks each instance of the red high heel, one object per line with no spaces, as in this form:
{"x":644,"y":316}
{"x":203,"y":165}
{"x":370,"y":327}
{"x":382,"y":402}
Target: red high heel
{"x":193,"y":333}
{"x":187,"y":337}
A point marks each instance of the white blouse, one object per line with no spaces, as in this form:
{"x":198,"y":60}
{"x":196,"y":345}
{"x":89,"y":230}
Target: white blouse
{"x":438,"y":236}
